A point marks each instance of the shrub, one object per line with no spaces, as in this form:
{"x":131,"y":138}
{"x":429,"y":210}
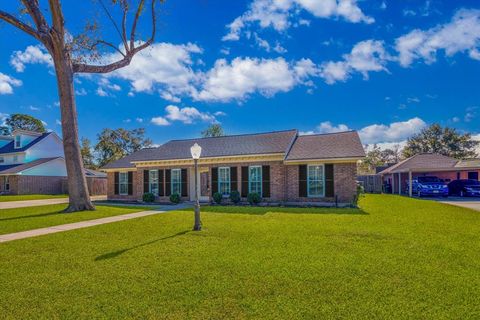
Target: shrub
{"x":359,"y":193}
{"x":235,"y":196}
{"x":217,"y":197}
{"x":148,"y":197}
{"x":253,"y":198}
{"x":175,"y":198}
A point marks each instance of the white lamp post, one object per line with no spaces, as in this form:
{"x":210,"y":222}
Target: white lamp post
{"x":196,"y":151}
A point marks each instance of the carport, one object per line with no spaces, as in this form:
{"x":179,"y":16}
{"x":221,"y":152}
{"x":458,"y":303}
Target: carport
{"x":401,"y":175}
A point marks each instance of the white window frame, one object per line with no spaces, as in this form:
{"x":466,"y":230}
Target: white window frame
{"x":123,"y":182}
{"x":226,"y":182}
{"x":2,"y":159}
{"x":152,"y":182}
{"x":6,"y":183}
{"x":309,"y":179}
{"x":173,"y":183}
{"x":19,"y":141}
{"x":250,"y":182}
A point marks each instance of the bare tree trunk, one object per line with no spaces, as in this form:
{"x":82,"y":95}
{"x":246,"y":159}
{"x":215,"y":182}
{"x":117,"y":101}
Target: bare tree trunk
{"x":79,"y":197}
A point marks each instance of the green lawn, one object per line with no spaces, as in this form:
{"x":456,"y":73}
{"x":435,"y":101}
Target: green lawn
{"x":21,"y":219}
{"x":22,"y":197}
{"x":396,"y":258}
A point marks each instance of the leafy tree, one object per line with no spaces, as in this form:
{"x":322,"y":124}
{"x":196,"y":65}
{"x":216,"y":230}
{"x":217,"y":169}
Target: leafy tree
{"x":23,"y":122}
{"x":81,"y":53}
{"x":115,"y":144}
{"x":87,"y":155}
{"x":215,"y":130}
{"x":446,"y":141}
{"x":377,"y":157}
{"x":4,"y":131}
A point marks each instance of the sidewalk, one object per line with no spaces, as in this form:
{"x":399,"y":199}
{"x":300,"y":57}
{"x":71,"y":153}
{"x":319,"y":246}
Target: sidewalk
{"x":41,"y":202}
{"x":73,"y":226}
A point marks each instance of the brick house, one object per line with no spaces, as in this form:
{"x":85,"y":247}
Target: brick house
{"x":281,"y":166}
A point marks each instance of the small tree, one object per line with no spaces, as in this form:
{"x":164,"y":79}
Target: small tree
{"x":215,"y":130}
{"x":445,"y":141}
{"x":23,"y":122}
{"x":79,"y":53}
{"x":115,"y":144}
{"x":87,"y":155}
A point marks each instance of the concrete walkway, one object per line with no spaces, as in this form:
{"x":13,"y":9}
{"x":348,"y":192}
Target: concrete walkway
{"x":474,"y":205}
{"x":73,"y":226}
{"x":41,"y":202}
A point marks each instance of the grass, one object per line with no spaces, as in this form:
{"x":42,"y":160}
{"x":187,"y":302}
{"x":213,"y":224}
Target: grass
{"x":23,"y":197}
{"x":21,"y":219}
{"x":396,"y":258}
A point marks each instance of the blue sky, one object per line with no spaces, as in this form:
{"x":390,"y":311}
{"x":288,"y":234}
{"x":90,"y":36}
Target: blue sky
{"x":385,"y":68}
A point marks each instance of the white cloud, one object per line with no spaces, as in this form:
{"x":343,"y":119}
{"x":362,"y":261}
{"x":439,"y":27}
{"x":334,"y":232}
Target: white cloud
{"x":81,"y":92}
{"x":33,"y":108}
{"x":58,"y":122}
{"x":327,"y":127}
{"x":366,"y":56}
{"x":461,"y":34}
{"x":102,"y":93}
{"x":393,"y":132}
{"x":139,"y":120}
{"x":160,"y":121}
{"x":244,"y":76}
{"x":278,"y":14}
{"x":162,"y":66}
{"x":31,"y":55}
{"x":7,"y":83}
{"x":186,"y":115}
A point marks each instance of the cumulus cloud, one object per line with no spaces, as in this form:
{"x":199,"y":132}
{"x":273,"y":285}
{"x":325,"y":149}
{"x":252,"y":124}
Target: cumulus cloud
{"x":186,"y":115}
{"x":366,"y":56}
{"x":461,"y":34}
{"x":244,"y":76}
{"x":281,"y":14}
{"x":32,"y":55}
{"x":7,"y":83}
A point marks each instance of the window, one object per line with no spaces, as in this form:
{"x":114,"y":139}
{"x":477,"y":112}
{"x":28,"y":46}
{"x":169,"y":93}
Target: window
{"x":15,"y":159}
{"x":316,"y":181}
{"x":224,"y":180}
{"x":123,"y":183}
{"x":18,"y":141}
{"x":255,"y":180}
{"x":2,"y":160}
{"x":176,"y":181}
{"x":153,"y":181}
{"x":7,"y":184}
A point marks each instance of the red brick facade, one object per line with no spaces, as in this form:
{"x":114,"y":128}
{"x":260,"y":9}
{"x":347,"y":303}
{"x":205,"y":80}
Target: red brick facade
{"x":284,"y":182}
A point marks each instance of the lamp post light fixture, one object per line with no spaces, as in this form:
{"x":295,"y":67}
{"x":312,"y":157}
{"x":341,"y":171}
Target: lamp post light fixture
{"x":196,"y":151}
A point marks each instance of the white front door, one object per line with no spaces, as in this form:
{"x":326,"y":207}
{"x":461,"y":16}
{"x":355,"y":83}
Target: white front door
{"x":203,"y":184}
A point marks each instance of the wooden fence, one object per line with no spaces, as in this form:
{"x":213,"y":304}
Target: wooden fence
{"x":371,"y":183}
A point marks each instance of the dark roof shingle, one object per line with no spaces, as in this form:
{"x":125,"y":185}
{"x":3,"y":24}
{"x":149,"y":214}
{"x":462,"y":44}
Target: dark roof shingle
{"x":423,"y":161}
{"x":10,"y":147}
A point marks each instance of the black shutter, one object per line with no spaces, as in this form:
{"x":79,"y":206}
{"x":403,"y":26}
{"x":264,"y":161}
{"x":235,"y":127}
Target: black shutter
{"x":146,"y":180}
{"x":329,"y":182}
{"x":168,"y":182}
{"x":184,"y":183}
{"x":161,"y":186}
{"x":244,"y":181}
{"x":302,"y":181}
{"x":233,"y":179}
{"x":266,"y":181}
{"x":130,"y":183}
{"x":214,"y":180}
{"x":115,"y":179}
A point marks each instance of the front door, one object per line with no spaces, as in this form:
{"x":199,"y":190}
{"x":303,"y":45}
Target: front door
{"x":204,"y":184}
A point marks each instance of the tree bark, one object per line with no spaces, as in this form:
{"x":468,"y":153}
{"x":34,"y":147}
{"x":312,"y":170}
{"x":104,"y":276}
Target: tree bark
{"x":79,"y":197}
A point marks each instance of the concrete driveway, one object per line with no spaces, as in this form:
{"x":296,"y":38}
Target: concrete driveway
{"x":42,"y":202}
{"x":470,"y":203}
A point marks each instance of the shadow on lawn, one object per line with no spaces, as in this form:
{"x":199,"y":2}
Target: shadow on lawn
{"x":32,"y":216}
{"x":115,"y":254}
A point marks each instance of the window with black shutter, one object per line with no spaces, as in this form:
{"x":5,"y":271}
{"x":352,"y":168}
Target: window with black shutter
{"x":244,"y":181}
{"x":302,"y":181}
{"x":168,"y":182}
{"x":184,"y":183}
{"x":146,"y":181}
{"x":266,"y":181}
{"x":233,"y":179}
{"x":161,"y":185}
{"x":329,"y":181}
{"x":214,"y":180}
{"x":130,"y":183}
{"x":116,"y":183}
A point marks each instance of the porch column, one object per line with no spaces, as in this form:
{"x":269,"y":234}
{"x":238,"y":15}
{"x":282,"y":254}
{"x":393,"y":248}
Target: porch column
{"x":400,"y":183}
{"x":410,"y":183}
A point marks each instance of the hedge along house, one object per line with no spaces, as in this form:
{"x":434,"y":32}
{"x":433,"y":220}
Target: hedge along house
{"x":280,"y":166}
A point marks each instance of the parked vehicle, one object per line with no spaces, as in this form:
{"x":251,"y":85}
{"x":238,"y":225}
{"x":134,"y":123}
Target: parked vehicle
{"x":429,"y":186}
{"x":464,"y":188}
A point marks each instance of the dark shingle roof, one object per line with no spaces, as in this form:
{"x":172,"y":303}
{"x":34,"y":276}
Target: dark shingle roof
{"x":327,"y":146}
{"x":16,"y":168}
{"x":10,"y":147}
{"x":423,"y":161}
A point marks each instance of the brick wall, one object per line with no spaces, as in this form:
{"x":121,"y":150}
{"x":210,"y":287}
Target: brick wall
{"x":111,"y":188}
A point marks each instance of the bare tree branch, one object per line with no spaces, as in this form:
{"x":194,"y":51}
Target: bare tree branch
{"x":33,"y":8}
{"x":123,"y":37}
{"x":57,"y":18}
{"x":20,"y":25}
{"x":108,"y":44}
{"x":135,"y":20}
{"x":88,"y":68}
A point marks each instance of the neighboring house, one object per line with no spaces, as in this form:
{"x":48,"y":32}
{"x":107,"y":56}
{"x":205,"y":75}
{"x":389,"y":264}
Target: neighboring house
{"x":33,"y":163}
{"x":398,"y":176}
{"x":281,"y":166}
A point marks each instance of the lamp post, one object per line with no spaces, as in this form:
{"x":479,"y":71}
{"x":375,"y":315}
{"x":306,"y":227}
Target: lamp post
{"x":196,"y":151}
